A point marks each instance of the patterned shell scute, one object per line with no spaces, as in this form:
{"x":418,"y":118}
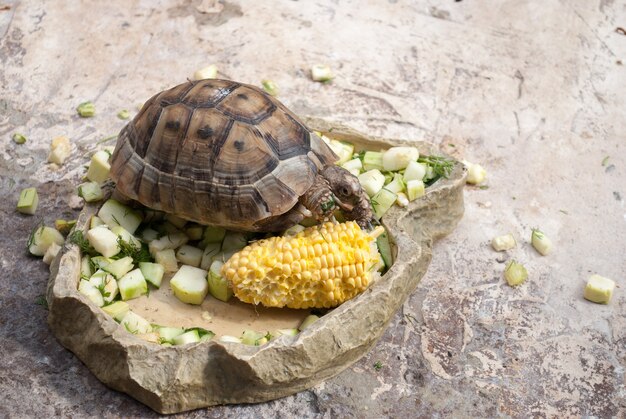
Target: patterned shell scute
{"x":217,"y":152}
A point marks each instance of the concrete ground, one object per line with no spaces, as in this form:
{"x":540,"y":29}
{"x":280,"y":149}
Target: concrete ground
{"x":533,"y":90}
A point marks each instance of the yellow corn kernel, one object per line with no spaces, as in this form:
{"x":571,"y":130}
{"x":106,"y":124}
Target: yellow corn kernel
{"x":319,"y":267}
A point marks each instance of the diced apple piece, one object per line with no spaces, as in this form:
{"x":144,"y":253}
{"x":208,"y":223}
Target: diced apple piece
{"x":90,"y":291}
{"x":167,"y":258}
{"x":51,"y":253}
{"x":132,"y":285}
{"x":599,"y":289}
{"x":136,"y":324}
{"x":190,"y":284}
{"x":28,"y":201}
{"x":189,"y":255}
{"x":218,"y":285}
{"x":60,"y":150}
{"x":104,"y":241}
{"x":41,"y":238}
{"x":153,"y":272}
{"x":114,"y":213}
{"x":117,"y":310}
{"x":398,"y":158}
{"x":99,"y":167}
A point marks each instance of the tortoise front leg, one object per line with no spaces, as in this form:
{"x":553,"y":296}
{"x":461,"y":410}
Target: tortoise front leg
{"x":319,"y":199}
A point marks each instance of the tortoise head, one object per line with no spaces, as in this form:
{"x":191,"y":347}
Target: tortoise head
{"x":348,"y":194}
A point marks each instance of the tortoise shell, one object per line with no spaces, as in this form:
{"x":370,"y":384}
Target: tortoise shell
{"x":220,"y":153}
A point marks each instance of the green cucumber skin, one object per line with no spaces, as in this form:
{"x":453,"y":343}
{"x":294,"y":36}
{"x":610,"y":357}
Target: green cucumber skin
{"x":384,"y":248}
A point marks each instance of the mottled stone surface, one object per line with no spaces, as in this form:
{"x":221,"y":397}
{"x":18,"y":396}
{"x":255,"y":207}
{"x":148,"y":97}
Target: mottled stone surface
{"x":531,"y":89}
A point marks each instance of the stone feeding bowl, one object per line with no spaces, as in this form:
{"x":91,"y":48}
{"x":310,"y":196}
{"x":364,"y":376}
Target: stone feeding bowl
{"x":179,"y":378}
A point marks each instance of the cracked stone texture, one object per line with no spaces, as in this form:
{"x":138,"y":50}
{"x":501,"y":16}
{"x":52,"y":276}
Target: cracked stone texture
{"x":533,"y":90}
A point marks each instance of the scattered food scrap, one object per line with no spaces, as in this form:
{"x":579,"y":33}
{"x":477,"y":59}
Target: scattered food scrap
{"x":599,"y":289}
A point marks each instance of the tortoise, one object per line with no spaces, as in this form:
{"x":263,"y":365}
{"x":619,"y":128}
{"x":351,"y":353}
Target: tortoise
{"x":227,"y":154}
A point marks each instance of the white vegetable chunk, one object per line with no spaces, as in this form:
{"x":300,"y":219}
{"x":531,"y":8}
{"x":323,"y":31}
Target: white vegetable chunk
{"x":372,"y":181}
{"x":398,"y":158}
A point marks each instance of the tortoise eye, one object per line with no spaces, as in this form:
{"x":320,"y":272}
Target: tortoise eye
{"x":344,"y":191}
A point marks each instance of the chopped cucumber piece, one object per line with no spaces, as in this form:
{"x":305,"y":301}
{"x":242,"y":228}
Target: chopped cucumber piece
{"x":540,"y":242}
{"x":250,"y":337}
{"x":149,"y":235}
{"x":41,"y":238}
{"x":100,"y":262}
{"x":167,"y":258}
{"x":175,"y":220}
{"x":372,"y":181}
{"x":384,"y":248}
{"x":397,"y":184}
{"x":270,"y":87}
{"x":189,"y":255}
{"x":119,"y":268}
{"x":287,"y":332}
{"x":152,"y":272}
{"x":104,"y":241}
{"x":91,"y":292}
{"x":194,"y":231}
{"x":342,"y":149}
{"x":213,"y":234}
{"x":95,"y":221}
{"x":515,"y":273}
{"x":126,"y":237}
{"x":190,"y":284}
{"x":599,"y":289}
{"x":191,"y":336}
{"x":117,"y":310}
{"x":51,"y":253}
{"x":415,"y":171}
{"x":136,"y":324}
{"x":28,"y":201}
{"x":234,"y":241}
{"x":99,"y":167}
{"x":209,"y":72}
{"x":210,"y":251}
{"x":382,"y":201}
{"x":218,"y":285}
{"x":293,"y":230}
{"x":229,"y":339}
{"x":415,"y":189}
{"x":398,"y":158}
{"x":132,"y":285}
{"x":106,"y":284}
{"x":169,"y":241}
{"x":90,"y":191}
{"x":168,"y":334}
{"x":505,"y":242}
{"x":114,"y":213}
{"x":372,"y":160}
{"x":86,"y":109}
{"x":308,"y":321}
{"x":19,"y":138}
{"x":85,"y":267}
{"x":321,"y":72}
{"x":353,"y":166}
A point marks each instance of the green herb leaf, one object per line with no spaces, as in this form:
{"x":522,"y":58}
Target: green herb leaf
{"x":138,"y":254}
{"x":442,"y":166}
{"x":42,"y":301}
{"x":378,"y":365}
{"x":79,"y":240}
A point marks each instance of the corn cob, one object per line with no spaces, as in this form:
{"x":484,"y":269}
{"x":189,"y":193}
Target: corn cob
{"x":320,"y":267}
